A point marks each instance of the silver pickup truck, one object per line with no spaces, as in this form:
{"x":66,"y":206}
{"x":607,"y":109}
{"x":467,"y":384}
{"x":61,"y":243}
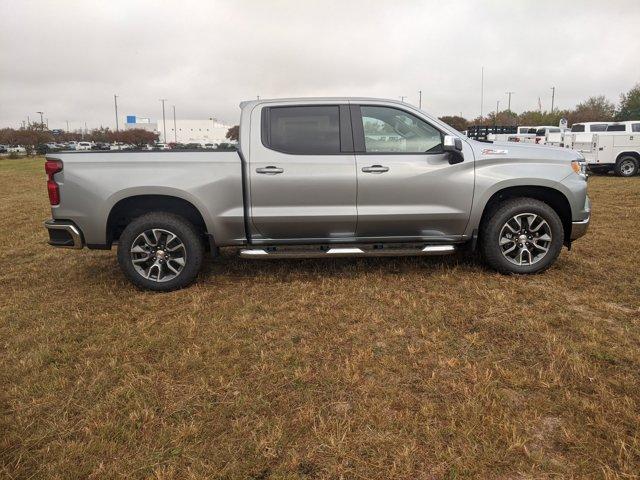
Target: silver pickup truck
{"x":321,"y":177}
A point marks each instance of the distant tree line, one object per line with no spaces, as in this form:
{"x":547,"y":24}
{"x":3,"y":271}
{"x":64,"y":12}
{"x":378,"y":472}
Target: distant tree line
{"x":38,"y":134}
{"x":591,"y":110}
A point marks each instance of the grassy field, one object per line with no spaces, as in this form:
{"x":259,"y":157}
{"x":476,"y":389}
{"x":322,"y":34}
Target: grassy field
{"x":354,"y":368}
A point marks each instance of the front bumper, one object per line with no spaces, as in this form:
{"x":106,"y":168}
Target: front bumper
{"x":579,"y":228}
{"x":64,"y":234}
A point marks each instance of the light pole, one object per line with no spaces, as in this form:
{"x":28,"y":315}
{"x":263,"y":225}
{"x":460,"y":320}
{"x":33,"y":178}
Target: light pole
{"x":402,"y":97}
{"x":553,"y":97}
{"x":67,"y":125}
{"x":481,"y":91}
{"x":495,"y":119}
{"x":420,"y":99}
{"x":509,"y":103}
{"x":41,"y":120}
{"x":164,"y":123}
{"x":115,"y":102}
{"x":175,"y":130}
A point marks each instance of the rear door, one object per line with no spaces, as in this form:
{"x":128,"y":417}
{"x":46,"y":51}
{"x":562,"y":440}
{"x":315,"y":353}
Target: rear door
{"x":302,"y":173}
{"x":407,"y":187}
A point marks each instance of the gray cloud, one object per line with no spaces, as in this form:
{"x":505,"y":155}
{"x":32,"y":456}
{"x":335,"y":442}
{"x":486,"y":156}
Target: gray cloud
{"x":68,"y":57}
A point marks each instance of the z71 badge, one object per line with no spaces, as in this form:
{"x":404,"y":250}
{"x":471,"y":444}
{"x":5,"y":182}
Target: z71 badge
{"x":494,"y":151}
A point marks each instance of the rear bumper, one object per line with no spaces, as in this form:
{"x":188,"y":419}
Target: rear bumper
{"x":64,"y":234}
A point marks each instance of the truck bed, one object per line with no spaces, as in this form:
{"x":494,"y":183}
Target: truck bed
{"x":92,"y":183}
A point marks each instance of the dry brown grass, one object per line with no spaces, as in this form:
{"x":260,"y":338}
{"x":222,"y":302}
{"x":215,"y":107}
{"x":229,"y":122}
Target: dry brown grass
{"x":371,"y":368}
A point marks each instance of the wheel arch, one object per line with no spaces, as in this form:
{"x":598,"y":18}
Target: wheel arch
{"x":551,"y":196}
{"x":128,"y":208}
{"x":630,"y":153}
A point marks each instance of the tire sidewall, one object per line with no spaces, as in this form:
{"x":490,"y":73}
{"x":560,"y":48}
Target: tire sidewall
{"x":490,"y":239}
{"x":175,"y":224}
{"x":633,"y":160}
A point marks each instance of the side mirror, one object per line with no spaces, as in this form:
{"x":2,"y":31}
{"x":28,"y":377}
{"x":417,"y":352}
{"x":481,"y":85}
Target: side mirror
{"x":453,"y":145}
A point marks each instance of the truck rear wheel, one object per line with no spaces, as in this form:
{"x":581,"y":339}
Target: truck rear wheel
{"x":160,"y":251}
{"x":522,"y":235}
{"x":626,"y":166}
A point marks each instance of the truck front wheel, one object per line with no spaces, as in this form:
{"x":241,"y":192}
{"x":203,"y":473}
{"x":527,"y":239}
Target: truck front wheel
{"x":626,"y":166}
{"x":522,"y":235}
{"x":160,"y":251}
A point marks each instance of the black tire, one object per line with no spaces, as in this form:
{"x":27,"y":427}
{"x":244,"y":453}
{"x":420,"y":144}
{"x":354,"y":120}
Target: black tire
{"x":492,"y":226}
{"x":626,"y":166}
{"x":187,"y":235}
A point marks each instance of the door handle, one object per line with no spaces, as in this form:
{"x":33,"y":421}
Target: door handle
{"x":375,"y":169}
{"x":270,"y":170}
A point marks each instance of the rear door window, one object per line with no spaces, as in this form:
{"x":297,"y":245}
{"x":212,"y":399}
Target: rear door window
{"x":302,"y":130}
{"x":635,"y":127}
{"x":616,"y":128}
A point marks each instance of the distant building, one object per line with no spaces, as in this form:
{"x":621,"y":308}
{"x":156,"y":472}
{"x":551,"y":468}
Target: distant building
{"x":133,"y":121}
{"x":187,"y":131}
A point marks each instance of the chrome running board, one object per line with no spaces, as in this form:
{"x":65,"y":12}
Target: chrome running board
{"x":334,"y":252}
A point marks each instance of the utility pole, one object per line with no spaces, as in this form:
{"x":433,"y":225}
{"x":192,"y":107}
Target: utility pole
{"x":67,"y":125}
{"x":175,"y":130}
{"x":115,"y":102}
{"x":481,"y":91}
{"x":509,"y":102}
{"x":495,"y":119}
{"x":41,"y":120}
{"x":553,"y":97}
{"x":420,"y":99}
{"x":164,"y":123}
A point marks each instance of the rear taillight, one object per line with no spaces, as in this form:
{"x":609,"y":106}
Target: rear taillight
{"x":51,"y":167}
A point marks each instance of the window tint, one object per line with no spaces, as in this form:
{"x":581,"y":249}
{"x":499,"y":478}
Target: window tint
{"x":540,"y":132}
{"x":599,"y":127}
{"x":577,"y":128}
{"x":392,"y":130}
{"x":306,"y":130}
{"x":615,"y":128}
{"x":635,"y":127}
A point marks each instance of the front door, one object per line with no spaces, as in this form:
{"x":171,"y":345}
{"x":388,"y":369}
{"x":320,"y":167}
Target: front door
{"x":407,"y":187}
{"x":302,"y":173}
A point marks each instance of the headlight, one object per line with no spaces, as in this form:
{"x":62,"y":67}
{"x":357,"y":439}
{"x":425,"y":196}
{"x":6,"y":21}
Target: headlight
{"x":580,"y":167}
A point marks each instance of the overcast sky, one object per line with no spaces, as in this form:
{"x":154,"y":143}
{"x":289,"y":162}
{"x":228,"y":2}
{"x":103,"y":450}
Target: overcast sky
{"x":67,"y":58}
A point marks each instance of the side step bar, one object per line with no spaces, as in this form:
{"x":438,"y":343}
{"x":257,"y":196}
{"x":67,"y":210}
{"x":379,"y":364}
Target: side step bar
{"x":257,"y":253}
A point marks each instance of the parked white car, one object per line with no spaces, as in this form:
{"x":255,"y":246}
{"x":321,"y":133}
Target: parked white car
{"x":84,"y":146}
{"x":16,"y":149}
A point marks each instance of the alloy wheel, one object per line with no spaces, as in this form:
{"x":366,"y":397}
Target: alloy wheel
{"x":525,"y":239}
{"x":158,"y":255}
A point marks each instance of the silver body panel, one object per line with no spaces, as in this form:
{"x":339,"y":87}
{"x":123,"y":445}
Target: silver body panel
{"x":317,"y":198}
